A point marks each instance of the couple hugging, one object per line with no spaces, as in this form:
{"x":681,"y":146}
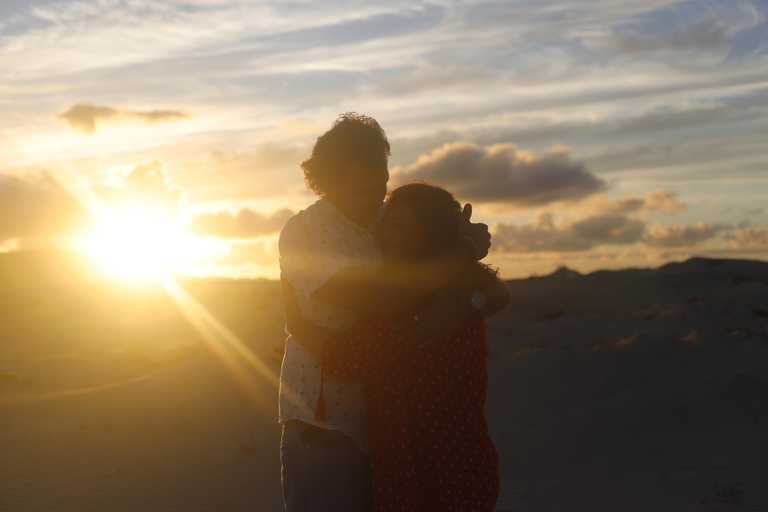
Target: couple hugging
{"x":383,"y":381}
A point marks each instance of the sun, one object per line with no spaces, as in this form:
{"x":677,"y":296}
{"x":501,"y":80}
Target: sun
{"x":135,"y":242}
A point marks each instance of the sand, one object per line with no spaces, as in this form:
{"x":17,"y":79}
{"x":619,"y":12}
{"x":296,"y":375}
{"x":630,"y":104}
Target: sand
{"x":632,"y":390}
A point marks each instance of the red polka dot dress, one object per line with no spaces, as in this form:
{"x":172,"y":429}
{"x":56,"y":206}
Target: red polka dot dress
{"x":429,"y":443}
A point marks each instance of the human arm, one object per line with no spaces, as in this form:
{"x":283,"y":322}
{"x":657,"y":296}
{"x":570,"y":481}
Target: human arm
{"x":447,"y":310}
{"x":349,"y":355}
{"x":309,"y":335}
{"x":368,"y":348}
{"x":385,"y":296}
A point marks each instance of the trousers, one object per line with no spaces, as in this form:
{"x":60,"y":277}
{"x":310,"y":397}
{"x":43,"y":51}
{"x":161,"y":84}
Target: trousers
{"x":323,"y":471}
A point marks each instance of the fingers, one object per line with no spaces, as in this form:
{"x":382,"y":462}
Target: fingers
{"x":466,"y":212}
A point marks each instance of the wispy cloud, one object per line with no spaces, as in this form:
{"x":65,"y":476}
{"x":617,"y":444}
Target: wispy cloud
{"x":85,"y":117}
{"x":706,"y":32}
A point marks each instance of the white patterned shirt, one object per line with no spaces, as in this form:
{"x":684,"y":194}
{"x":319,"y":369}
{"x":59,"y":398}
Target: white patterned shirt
{"x":315,"y":244}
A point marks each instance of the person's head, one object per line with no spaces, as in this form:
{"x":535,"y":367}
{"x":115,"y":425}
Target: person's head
{"x":421,"y":221}
{"x":348,"y":165}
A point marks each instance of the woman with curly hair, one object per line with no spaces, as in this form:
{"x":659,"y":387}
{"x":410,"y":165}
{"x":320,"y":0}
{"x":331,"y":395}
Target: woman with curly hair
{"x":429,"y":443}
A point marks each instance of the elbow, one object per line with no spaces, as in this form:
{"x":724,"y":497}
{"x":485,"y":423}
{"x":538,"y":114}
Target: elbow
{"x":506,"y":295}
{"x":501,"y":298}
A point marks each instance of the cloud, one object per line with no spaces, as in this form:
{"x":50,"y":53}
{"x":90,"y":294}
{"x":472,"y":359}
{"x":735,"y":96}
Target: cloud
{"x":265,"y":171}
{"x":502,"y":173}
{"x":146,"y":184}
{"x":544,"y":234}
{"x":244,"y":224}
{"x":670,"y":117}
{"x":681,"y":235}
{"x":706,"y":32}
{"x":85,"y":117}
{"x":749,"y":237}
{"x":36,"y":205}
{"x":609,"y":229}
{"x":659,"y":200}
{"x":258,"y":253}
{"x":609,"y":222}
{"x":299,"y":128}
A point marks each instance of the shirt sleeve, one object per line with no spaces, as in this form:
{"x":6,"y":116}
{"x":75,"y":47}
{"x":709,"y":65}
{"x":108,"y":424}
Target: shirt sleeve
{"x":310,"y":254}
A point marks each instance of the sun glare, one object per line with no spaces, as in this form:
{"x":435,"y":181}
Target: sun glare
{"x":135,"y":243}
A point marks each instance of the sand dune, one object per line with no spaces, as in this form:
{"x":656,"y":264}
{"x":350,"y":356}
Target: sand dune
{"x":632,"y":390}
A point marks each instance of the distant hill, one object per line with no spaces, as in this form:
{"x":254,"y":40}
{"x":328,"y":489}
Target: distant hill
{"x":568,"y":289}
{"x":45,"y":267}
{"x":750,"y":269}
{"x":564,"y":273}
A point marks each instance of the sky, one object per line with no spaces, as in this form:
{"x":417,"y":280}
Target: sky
{"x":593,"y":134}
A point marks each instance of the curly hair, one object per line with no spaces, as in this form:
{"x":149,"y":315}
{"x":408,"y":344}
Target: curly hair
{"x":438,"y":215}
{"x":437,"y":212}
{"x":353,"y":139}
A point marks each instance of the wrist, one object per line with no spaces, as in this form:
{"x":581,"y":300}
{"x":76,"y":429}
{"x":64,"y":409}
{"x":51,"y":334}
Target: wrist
{"x":467,"y":242}
{"x":474,"y":301}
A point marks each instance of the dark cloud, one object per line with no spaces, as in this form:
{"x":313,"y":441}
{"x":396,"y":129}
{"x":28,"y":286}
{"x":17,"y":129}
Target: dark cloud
{"x":544,"y":234}
{"x":36,"y":205}
{"x":541,"y":235}
{"x":750,"y":237}
{"x":609,"y":229}
{"x":681,"y":235}
{"x":85,"y":117}
{"x":243,"y":224}
{"x":502,"y":173}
